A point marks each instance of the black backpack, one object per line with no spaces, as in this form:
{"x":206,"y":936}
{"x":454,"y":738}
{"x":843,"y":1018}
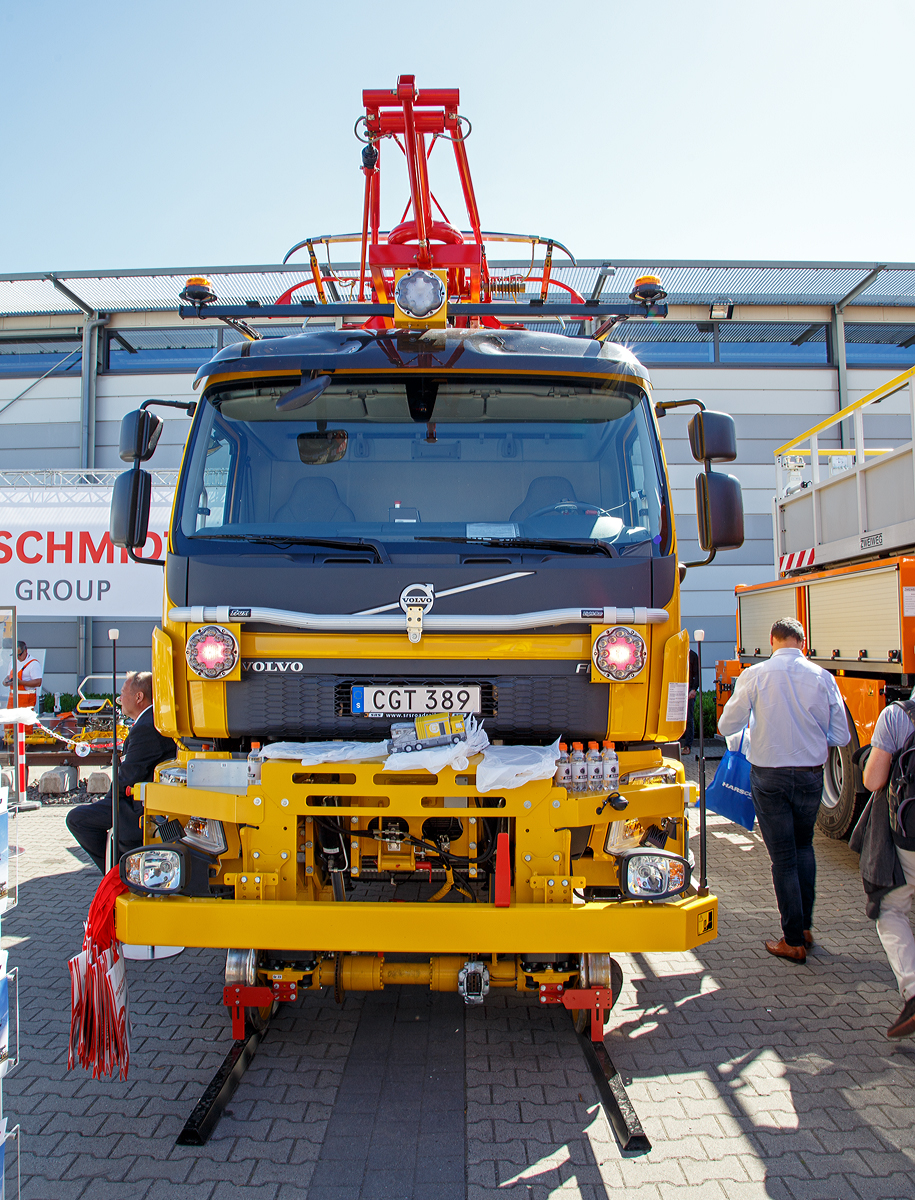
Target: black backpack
{"x":900,"y":790}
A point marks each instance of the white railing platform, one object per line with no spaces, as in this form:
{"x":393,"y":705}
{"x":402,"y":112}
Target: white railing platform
{"x":865,"y":505}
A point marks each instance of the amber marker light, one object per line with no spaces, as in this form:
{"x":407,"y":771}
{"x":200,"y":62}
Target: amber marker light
{"x":648,"y":290}
{"x":198,"y":290}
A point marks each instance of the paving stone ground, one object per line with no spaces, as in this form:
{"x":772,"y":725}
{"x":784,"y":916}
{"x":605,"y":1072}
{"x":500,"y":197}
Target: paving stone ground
{"x":753,"y":1077}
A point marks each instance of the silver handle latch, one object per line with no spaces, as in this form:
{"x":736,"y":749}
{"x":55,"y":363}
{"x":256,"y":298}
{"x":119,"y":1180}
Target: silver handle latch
{"x":415,"y":622}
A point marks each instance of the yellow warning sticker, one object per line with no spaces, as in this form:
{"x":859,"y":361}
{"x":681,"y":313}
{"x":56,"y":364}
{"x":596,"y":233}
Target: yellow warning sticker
{"x":706,"y":921}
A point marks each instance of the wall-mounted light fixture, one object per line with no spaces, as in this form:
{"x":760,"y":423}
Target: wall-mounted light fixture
{"x":721,"y":310}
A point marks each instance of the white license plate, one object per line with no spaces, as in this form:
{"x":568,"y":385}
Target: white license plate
{"x":371,"y":701}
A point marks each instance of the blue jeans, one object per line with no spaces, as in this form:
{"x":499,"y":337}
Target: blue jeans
{"x":787,"y":800}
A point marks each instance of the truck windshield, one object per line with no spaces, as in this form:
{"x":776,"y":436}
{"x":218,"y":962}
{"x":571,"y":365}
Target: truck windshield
{"x":417,"y":460}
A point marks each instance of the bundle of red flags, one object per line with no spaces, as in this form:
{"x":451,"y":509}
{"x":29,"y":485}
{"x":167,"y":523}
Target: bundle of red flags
{"x":99,"y":1015}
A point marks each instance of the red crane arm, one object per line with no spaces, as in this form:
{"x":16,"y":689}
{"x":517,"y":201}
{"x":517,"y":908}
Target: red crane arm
{"x":412,"y":115}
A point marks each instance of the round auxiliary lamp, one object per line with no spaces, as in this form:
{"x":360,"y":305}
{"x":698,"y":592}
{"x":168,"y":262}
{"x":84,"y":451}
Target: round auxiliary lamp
{"x":619,"y":653}
{"x":419,"y":294}
{"x":212,"y":652}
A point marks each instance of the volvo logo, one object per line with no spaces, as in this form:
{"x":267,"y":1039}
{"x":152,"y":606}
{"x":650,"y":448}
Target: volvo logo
{"x":418,"y":594}
{"x":273,"y":666}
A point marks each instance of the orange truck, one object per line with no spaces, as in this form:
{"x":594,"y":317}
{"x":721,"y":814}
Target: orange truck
{"x":844,"y":521}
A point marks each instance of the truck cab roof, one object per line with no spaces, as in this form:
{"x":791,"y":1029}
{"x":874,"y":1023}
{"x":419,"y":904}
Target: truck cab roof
{"x":460,"y":350}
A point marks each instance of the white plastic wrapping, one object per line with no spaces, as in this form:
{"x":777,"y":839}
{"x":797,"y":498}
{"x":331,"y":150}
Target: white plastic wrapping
{"x":313,"y":754}
{"x":507,"y":767}
{"x":18,"y":716}
{"x":502,"y":768}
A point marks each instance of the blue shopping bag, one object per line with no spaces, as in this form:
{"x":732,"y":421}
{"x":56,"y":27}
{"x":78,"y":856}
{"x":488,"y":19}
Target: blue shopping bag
{"x":729,"y":793}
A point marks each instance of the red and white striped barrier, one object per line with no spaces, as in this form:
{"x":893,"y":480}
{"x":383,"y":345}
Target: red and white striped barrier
{"x":20,"y":751}
{"x":800,"y":558}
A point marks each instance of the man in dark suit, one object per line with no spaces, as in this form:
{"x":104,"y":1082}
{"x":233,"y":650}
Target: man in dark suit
{"x":144,"y":749}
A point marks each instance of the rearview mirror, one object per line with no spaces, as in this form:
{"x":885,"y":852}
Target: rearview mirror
{"x":713,"y":437}
{"x":719,"y":511}
{"x":129,"y":517}
{"x":140,"y":433}
{"x":305,"y":393}
{"x":318,"y":448}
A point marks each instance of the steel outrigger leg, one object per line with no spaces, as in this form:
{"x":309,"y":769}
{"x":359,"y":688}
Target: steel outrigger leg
{"x":614,"y":1099}
{"x":212,"y":1104}
{"x":615,"y":1102}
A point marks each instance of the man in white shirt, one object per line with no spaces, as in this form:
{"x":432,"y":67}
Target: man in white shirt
{"x":795,"y":713}
{"x":29,"y":671}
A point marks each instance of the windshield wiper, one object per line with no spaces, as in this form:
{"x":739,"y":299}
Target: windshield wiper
{"x":276,"y":539}
{"x":584,"y":546}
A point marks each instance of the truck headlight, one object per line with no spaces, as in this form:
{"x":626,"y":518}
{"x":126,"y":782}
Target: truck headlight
{"x":172,"y":870}
{"x":207,"y":835}
{"x":153,"y":872}
{"x":652,"y":874}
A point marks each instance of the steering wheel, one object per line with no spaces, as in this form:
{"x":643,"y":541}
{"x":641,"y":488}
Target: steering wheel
{"x":567,"y":508}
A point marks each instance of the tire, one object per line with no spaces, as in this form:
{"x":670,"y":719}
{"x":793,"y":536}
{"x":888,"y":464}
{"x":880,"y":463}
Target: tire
{"x":842,"y":803}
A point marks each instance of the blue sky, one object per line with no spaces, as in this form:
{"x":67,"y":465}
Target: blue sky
{"x":180,"y":133}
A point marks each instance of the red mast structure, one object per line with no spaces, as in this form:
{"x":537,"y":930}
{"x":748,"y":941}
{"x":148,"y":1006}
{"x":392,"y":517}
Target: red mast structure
{"x":425,"y":271}
{"x":415,"y":120}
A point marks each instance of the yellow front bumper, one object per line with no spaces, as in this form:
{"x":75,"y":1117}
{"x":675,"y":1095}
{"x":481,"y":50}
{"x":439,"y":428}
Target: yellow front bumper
{"x":625,"y":928}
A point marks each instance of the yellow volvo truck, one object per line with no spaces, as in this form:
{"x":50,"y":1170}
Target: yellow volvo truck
{"x":377,"y":523}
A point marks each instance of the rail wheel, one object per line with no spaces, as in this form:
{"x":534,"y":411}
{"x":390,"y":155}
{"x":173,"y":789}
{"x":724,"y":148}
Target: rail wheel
{"x":241,"y":967}
{"x":842,"y":803}
{"x":597,"y":970}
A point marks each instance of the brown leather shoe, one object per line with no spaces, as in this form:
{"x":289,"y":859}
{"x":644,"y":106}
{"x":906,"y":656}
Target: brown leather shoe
{"x":808,"y":939}
{"x":796,"y":954}
{"x":904,"y":1025}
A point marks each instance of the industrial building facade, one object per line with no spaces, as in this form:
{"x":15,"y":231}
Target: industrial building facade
{"x":779,"y":346}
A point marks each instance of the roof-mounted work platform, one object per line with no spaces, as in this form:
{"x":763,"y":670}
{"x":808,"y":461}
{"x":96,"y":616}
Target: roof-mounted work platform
{"x":863,"y":506}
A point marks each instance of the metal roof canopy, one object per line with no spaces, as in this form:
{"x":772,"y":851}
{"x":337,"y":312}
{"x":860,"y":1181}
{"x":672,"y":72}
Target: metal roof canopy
{"x":687,"y":282}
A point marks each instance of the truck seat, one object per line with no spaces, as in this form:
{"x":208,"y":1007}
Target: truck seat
{"x":542,"y":492}
{"x":314,"y":500}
